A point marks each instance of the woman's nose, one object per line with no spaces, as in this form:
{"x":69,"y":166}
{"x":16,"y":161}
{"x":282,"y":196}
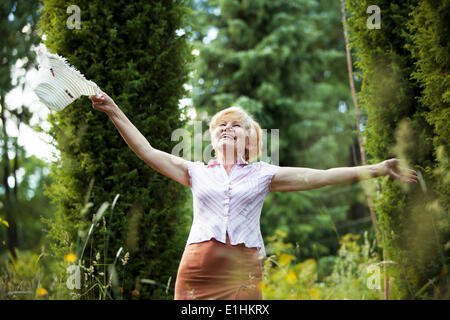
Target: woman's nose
{"x":228,"y":127}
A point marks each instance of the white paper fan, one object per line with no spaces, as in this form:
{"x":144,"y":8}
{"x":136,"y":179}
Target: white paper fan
{"x":58,"y":84}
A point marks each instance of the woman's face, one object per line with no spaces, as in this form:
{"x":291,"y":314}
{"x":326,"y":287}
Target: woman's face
{"x":229,"y":138}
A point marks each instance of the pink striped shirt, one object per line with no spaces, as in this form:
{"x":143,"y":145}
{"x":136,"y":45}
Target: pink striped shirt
{"x":229,"y":203}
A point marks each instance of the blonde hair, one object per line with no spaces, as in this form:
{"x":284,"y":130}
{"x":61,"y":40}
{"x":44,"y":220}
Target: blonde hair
{"x":254,"y":132}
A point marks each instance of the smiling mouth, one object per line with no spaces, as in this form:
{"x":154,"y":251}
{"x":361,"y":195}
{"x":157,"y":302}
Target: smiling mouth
{"x":227,"y":137}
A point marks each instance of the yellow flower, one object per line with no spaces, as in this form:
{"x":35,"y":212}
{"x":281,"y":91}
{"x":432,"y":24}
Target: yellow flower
{"x":291,"y":277}
{"x":285,"y":259}
{"x":314,"y":293}
{"x":42,"y":292}
{"x":70,"y":257}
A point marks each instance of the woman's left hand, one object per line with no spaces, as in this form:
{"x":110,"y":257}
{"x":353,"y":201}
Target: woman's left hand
{"x":392,"y":168}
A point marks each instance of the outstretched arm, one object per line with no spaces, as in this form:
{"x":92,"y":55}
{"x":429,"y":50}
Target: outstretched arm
{"x":296,"y":179}
{"x":169,"y":165}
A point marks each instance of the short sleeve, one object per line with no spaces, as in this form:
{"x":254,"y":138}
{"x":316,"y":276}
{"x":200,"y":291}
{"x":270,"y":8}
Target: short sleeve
{"x":267,"y":173}
{"x":192,"y":168}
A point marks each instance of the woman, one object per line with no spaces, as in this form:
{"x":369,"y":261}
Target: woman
{"x":222,"y":257}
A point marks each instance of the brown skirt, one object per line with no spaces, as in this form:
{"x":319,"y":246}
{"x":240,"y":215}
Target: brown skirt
{"x":213,"y":270}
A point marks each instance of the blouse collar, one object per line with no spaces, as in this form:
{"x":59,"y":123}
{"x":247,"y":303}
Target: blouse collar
{"x":214,"y":162}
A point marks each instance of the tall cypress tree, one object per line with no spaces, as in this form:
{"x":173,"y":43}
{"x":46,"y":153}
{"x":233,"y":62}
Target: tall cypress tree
{"x":132,"y":51}
{"x":413,"y":220}
{"x":284,"y":62}
{"x":430,"y":49}
{"x":429,"y":32}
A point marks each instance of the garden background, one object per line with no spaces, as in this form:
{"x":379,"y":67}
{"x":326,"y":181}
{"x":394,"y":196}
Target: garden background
{"x":93,"y":206}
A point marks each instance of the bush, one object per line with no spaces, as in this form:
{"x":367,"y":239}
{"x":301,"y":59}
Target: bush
{"x":286,"y":279}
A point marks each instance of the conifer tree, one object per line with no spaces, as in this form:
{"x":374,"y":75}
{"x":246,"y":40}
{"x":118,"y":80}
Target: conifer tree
{"x":132,"y":51}
{"x":404,"y":92}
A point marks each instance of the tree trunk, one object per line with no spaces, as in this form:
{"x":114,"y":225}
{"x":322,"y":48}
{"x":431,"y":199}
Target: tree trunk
{"x":9,"y":205}
{"x":361,"y":146}
{"x":15,"y":167}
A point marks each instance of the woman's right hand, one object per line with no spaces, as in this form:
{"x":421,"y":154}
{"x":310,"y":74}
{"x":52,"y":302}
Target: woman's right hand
{"x":104,"y":103}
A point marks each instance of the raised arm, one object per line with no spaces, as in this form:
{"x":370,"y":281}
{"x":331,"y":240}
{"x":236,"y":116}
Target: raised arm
{"x":167,"y":164}
{"x":297,"y":179}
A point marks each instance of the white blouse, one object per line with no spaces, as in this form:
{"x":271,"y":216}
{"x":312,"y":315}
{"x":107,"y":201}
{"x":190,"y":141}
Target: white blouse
{"x":229,"y":203}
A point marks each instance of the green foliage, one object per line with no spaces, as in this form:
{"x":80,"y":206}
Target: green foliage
{"x":430,"y":48}
{"x":18,"y":25}
{"x":53,"y":276}
{"x":395,"y":62}
{"x":20,"y":278}
{"x":132,"y":52}
{"x":18,"y":29}
{"x":31,"y":202}
{"x":286,"y":279}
